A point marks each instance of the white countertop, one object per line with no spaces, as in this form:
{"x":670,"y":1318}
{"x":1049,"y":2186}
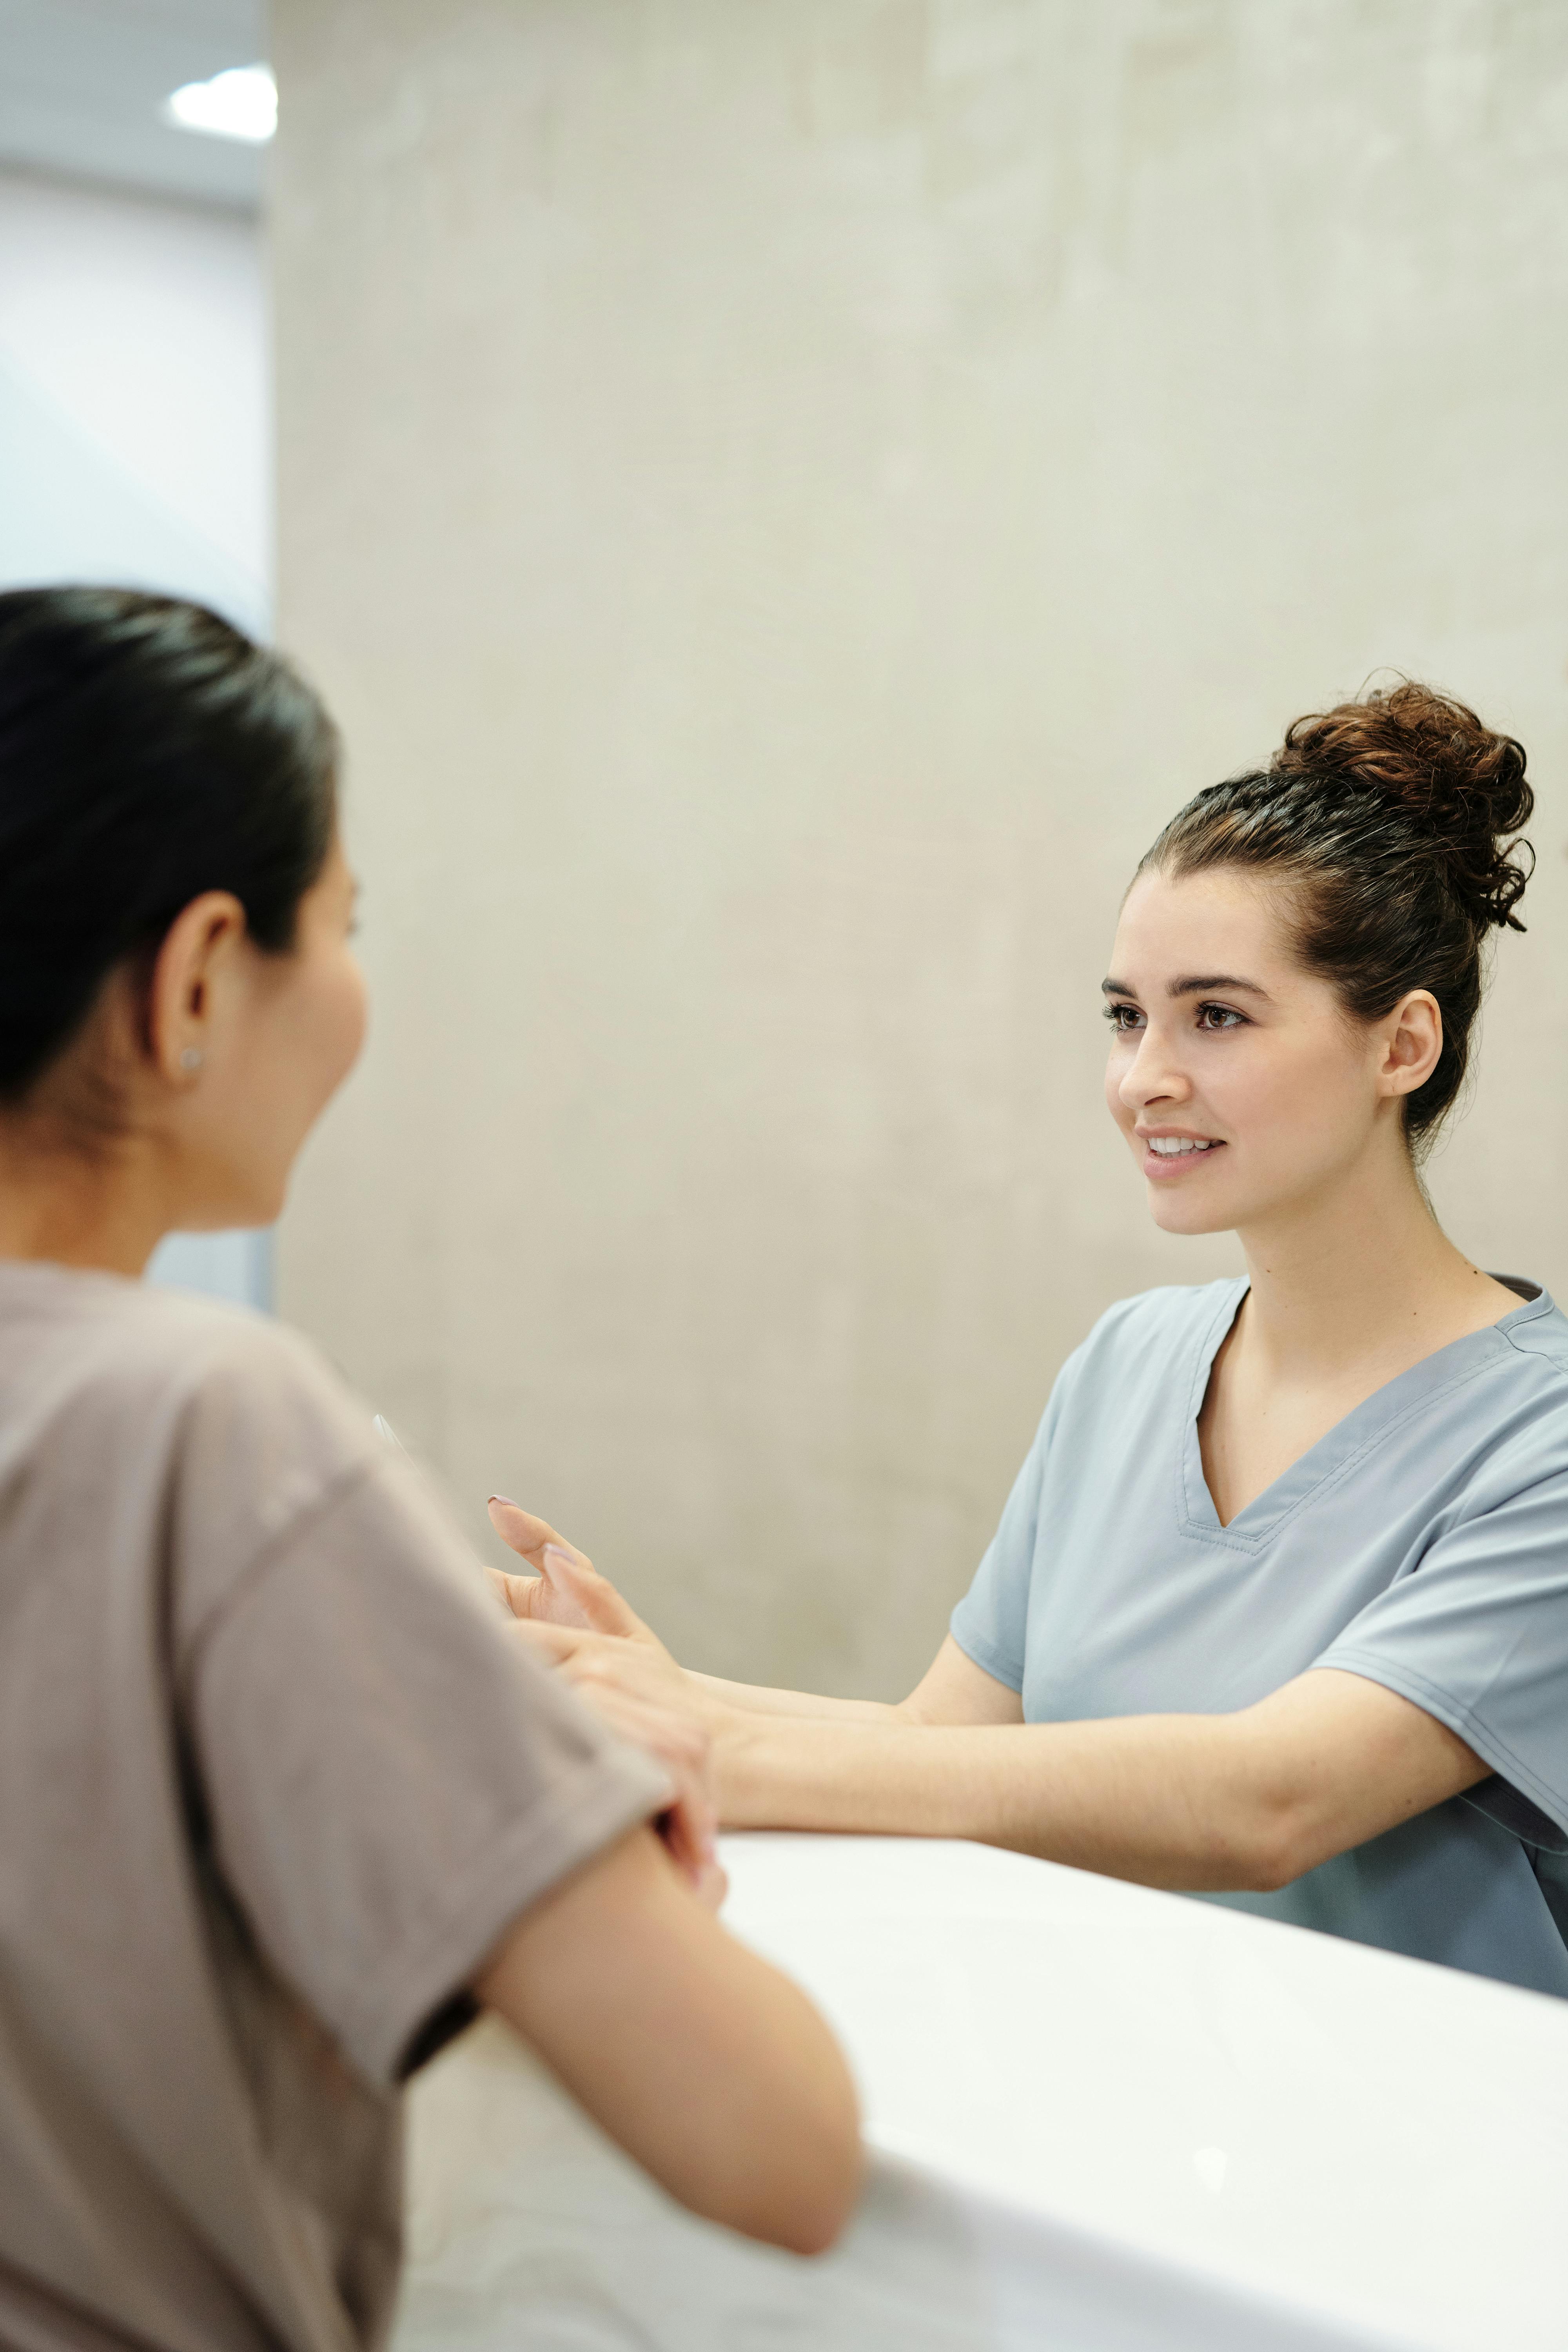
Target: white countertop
{"x":1104,"y":2120}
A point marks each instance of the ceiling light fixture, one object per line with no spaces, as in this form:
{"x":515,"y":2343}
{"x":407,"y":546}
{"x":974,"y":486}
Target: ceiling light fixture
{"x":239,"y":103}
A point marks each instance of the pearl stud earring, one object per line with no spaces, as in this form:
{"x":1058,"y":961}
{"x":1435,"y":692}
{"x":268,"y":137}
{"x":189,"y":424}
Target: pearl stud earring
{"x":190,"y":1059}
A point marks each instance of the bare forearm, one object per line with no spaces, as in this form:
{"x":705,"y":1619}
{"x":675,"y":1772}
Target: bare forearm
{"x":1138,"y":1798}
{"x":706,"y":2064}
{"x":756,"y":1698}
{"x":954,"y":1690}
{"x":1201,"y":1802}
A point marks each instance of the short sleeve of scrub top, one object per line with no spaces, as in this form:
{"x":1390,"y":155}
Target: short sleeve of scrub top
{"x":1422,"y":1543}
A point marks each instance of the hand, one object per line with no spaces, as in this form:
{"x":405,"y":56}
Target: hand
{"x":638,"y":1688}
{"x":568,"y":1590}
{"x":676,"y":1740}
{"x":565,"y":1588}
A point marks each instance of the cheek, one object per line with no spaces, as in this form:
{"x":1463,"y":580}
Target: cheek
{"x":352,"y":1015}
{"x":1300,"y":1105}
{"x":328,"y":1030}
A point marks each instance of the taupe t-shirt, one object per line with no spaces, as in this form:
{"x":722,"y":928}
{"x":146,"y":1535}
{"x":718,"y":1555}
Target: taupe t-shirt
{"x":273,"y":1782}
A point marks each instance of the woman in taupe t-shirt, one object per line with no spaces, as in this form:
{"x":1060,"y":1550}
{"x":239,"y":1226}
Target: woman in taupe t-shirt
{"x":280,"y":1799}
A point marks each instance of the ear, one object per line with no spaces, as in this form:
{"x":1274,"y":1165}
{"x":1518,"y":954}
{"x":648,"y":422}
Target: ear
{"x":1412,"y":1039}
{"x":199,"y":953}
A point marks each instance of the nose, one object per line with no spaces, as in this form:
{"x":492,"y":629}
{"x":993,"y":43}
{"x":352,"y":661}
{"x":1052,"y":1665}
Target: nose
{"x":1154,"y":1075}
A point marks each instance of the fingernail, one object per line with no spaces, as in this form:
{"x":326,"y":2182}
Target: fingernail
{"x":554,"y":1552}
{"x":507,"y":1500}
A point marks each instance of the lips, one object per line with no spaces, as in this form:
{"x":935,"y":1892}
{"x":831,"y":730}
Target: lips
{"x":1166,"y":1157}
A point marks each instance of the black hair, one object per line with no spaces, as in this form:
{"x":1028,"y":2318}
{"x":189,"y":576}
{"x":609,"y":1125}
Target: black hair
{"x":149,"y":750}
{"x":1397,"y":818}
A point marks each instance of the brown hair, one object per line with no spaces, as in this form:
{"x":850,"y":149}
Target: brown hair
{"x":1395,"y":820}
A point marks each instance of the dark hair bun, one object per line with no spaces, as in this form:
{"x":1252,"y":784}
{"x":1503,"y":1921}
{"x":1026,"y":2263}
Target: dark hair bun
{"x":1462,"y":783}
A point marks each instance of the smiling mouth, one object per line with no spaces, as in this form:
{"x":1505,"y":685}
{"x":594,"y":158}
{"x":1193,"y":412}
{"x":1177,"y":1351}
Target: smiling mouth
{"x":1181,"y":1147}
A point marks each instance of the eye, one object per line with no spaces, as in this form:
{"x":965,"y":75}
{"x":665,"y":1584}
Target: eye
{"x":1220,"y":1016}
{"x":1123,"y":1018}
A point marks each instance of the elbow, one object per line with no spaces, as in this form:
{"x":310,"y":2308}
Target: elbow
{"x":833,"y":2206}
{"x":818,"y":2223}
{"x":807,"y":2204}
{"x":1274,"y":1851}
{"x":804,"y":2217}
{"x":1265,"y":1874}
{"x":814,"y":2219}
{"x":1247,"y":1841}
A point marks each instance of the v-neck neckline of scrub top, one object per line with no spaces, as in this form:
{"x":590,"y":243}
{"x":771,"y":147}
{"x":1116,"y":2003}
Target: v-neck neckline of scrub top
{"x":1340,"y":1448}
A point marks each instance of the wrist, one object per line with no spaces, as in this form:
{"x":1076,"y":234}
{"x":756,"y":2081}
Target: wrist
{"x":738,"y":1767}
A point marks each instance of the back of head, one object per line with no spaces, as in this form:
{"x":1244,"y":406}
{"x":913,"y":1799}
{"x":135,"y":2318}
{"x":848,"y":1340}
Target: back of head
{"x":149,"y":751}
{"x":1394,"y":822}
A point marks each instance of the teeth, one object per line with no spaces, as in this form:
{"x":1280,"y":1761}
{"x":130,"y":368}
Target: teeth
{"x":1170,"y":1147}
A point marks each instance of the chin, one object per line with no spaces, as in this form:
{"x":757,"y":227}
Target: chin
{"x":238,"y":1207}
{"x":1175,"y":1215}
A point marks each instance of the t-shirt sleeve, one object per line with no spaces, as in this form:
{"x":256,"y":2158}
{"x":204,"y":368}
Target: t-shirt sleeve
{"x":990,"y":1623}
{"x":1477,"y":1636}
{"x":390,"y":1778}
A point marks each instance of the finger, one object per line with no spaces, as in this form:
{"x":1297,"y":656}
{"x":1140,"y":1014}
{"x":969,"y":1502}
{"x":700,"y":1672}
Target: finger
{"x":523,"y":1596}
{"x":712,"y":1886}
{"x":689,"y":1824}
{"x":680,"y":1744}
{"x":523,"y":1531}
{"x":576,"y":1580}
{"x":688,"y":1830}
{"x":573,"y":1593}
{"x":555,"y":1643}
{"x":544,"y":1597}
{"x":579,"y":1594}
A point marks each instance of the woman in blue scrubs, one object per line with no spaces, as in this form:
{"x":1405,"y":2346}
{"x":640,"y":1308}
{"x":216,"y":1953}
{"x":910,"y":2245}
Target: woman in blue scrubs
{"x":1278,"y":1609}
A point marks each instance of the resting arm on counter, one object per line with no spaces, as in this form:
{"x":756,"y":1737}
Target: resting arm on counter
{"x":1200,"y":1803}
{"x":706,"y":2064}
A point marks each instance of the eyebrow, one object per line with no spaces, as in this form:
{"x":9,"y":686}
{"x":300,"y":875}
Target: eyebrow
{"x":1191,"y":984}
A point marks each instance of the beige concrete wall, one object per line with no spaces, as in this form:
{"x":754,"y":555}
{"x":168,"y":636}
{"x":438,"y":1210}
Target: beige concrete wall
{"x":786,"y":495}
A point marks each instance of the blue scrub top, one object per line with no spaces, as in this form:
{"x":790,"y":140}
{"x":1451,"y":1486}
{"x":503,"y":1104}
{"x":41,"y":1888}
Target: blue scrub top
{"x":1422,"y":1543}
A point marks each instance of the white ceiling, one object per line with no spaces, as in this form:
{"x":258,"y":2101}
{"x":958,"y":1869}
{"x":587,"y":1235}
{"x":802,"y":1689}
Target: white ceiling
{"x":82,"y":82}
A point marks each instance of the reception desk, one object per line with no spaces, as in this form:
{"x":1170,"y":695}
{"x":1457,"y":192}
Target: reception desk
{"x":1099,"y":2119}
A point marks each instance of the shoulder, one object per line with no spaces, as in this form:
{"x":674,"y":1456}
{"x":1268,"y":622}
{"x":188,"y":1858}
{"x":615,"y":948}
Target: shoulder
{"x":170,"y":1347}
{"x":1537,"y":1334}
{"x":1520,"y":1423}
{"x":1150,"y":1326}
{"x":257,"y":1413}
{"x":97,"y":1368}
{"x":266,"y":1450}
{"x":195,"y":1437}
{"x":1129,"y":1358}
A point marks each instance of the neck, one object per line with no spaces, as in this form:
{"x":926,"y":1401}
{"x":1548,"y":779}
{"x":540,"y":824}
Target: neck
{"x":104,"y":1211}
{"x":1342,"y":1278}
